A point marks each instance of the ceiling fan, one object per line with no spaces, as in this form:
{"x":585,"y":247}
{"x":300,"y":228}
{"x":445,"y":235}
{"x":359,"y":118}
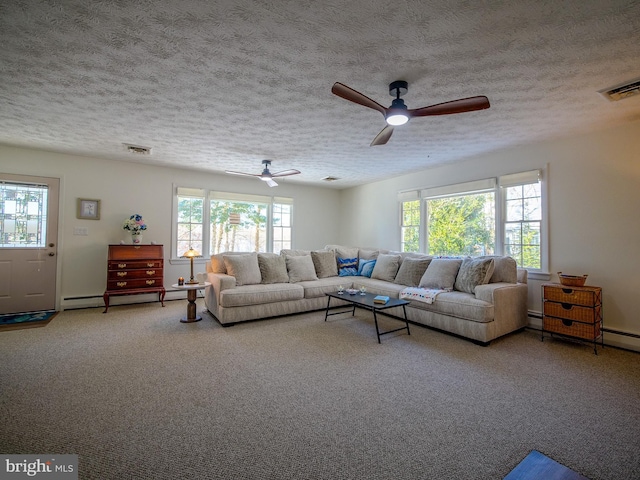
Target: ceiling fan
{"x":398,"y":114}
{"x":266,"y":175}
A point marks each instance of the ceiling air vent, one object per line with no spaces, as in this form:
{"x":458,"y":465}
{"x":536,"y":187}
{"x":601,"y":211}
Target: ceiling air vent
{"x":137,"y":149}
{"x":621,"y":92}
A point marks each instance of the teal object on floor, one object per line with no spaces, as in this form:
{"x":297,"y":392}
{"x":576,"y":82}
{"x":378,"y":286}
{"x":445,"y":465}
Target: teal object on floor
{"x":537,"y":466}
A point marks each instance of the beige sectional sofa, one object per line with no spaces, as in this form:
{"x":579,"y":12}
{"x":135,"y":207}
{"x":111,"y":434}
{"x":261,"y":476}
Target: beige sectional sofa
{"x":478,"y":298}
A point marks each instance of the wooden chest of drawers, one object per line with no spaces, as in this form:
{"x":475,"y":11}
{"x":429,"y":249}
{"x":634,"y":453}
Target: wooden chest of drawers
{"x":134,"y":269}
{"x":573,"y":312}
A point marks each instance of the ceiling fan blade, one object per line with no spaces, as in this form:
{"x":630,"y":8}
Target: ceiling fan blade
{"x":350,"y":94}
{"x":230,"y":172}
{"x":383,"y":137}
{"x":286,"y":173}
{"x":270,"y":182}
{"x":455,"y":106}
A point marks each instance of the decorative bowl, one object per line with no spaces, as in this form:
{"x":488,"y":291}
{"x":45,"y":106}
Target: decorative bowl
{"x":351,"y":291}
{"x":572,"y":280}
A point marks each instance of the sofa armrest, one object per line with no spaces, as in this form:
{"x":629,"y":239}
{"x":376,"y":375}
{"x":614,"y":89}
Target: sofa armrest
{"x":221,"y":281}
{"x":488,"y":291}
{"x":510,"y":304}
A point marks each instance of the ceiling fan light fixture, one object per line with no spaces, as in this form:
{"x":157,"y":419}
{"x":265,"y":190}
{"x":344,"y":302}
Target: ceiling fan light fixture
{"x":397,"y":118}
{"x":397,"y":113}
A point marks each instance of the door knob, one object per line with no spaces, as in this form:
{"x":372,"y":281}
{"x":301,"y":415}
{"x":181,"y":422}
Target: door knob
{"x":51,"y":254}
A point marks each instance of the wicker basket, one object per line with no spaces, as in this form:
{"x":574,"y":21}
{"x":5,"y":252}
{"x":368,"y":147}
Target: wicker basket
{"x":572,"y":280}
{"x":587,"y":296}
{"x":574,"y":329}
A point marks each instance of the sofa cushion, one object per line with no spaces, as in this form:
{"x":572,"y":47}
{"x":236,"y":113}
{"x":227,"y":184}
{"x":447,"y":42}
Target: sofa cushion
{"x":505,"y":269}
{"x":473,"y":272}
{"x":368,"y":254}
{"x":347,"y":266}
{"x":365,"y":267}
{"x":260,"y":294}
{"x":460,"y":305}
{"x":300,"y":268}
{"x":273,"y":268}
{"x":322,"y":286}
{"x":386,"y":267}
{"x":324,"y":261}
{"x":411,"y":271}
{"x":294,"y":253}
{"x":244,"y":268}
{"x":441,"y":273}
{"x":343,"y":251}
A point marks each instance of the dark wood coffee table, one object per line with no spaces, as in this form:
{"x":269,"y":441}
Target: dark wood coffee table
{"x":366,"y":301}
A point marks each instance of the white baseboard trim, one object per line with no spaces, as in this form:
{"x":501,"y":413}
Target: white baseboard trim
{"x":72,"y":303}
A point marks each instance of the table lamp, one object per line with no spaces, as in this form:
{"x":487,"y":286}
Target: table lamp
{"x":191,"y":254}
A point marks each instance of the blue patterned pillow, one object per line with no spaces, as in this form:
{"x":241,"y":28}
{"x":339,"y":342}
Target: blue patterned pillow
{"x":365,"y":267}
{"x":347,"y":267}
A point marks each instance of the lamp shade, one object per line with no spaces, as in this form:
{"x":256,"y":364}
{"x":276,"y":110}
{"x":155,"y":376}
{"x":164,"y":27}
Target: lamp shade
{"x":191,"y":253}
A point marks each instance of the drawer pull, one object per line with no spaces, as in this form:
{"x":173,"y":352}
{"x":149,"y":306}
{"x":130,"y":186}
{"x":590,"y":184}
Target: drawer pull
{"x":122,"y":274}
{"x":122,"y":284}
{"x":151,"y":264}
{"x":151,"y":272}
{"x":567,"y":323}
{"x":150,"y":282}
{"x":568,"y":291}
{"x":122,"y":265}
{"x":567,"y":306}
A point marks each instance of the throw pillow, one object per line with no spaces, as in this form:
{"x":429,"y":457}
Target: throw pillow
{"x":386,"y":267}
{"x":325,"y":264}
{"x":217,"y":263}
{"x":300,"y":268}
{"x":411,"y":271}
{"x":473,"y":272}
{"x":505,"y":269}
{"x":244,"y":267}
{"x":365,"y":267}
{"x":347,"y":266}
{"x":440,"y":274}
{"x":273,"y":268}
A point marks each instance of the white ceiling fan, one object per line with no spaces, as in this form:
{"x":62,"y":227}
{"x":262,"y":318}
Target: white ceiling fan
{"x":266,"y":175}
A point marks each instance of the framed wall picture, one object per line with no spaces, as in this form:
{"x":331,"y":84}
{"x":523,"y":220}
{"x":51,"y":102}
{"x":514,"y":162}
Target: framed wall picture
{"x":88,"y":209}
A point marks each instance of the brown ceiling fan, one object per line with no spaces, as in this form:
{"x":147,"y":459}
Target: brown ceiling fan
{"x":266,"y":175}
{"x":398,"y":113}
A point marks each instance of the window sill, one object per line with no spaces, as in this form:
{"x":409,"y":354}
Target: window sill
{"x":541,"y":276}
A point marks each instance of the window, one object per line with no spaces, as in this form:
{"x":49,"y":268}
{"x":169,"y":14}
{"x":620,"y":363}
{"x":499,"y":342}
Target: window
{"x":213,"y":222}
{"x":522,"y":197}
{"x":497,"y":216}
{"x":461,"y":225}
{"x":23,"y":215}
{"x":410,"y":226}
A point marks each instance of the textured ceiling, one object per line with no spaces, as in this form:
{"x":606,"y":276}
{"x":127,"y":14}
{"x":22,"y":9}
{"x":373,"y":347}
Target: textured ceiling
{"x":216,"y":85}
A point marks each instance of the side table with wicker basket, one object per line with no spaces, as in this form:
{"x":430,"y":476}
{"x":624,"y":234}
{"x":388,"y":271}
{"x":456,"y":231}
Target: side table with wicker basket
{"x":573,"y":311}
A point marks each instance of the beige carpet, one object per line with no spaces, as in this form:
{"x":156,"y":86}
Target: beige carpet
{"x":139,"y":395}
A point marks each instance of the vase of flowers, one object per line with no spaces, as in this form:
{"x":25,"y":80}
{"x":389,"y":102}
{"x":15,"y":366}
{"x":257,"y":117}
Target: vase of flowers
{"x":135,"y":225}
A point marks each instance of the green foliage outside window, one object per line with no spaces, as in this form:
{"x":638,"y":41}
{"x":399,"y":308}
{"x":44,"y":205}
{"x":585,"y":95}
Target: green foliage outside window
{"x":462,"y":225}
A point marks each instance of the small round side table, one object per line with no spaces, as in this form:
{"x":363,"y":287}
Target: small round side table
{"x":192,"y":290}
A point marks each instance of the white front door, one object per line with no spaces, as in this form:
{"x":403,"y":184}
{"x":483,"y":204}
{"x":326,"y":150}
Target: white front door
{"x":28,"y":242}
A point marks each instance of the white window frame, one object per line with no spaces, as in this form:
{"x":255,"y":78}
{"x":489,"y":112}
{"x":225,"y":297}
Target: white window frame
{"x":497,"y":185}
{"x":207,"y":196}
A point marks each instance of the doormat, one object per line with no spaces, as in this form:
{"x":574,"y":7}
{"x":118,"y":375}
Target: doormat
{"x":537,"y":466}
{"x":14,"y":321}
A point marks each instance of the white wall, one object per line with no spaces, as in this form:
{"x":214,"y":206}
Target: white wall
{"x":594,"y":205}
{"x":127,"y":188}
